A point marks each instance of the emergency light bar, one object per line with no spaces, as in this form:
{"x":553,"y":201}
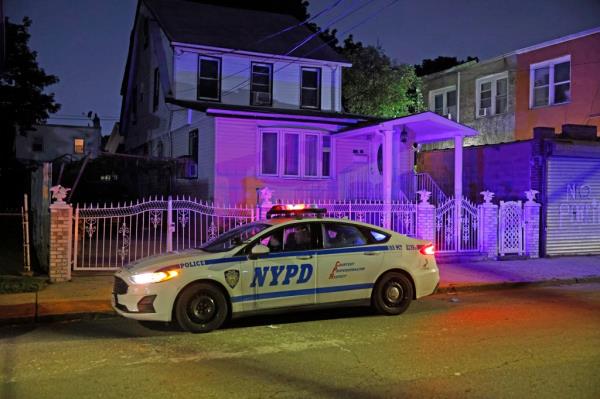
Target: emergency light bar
{"x":295,"y":210}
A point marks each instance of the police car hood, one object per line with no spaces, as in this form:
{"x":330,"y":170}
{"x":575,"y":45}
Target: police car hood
{"x":154,"y":263}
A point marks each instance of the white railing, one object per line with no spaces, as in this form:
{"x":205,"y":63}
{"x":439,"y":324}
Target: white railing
{"x":107,"y":237}
{"x":403,"y":215}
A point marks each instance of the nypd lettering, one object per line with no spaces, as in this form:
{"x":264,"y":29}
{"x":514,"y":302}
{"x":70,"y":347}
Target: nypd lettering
{"x":281,"y":275}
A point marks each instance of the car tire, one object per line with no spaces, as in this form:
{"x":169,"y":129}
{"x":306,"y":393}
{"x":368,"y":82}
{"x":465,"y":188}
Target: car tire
{"x":392,"y":294}
{"x":201,"y":308}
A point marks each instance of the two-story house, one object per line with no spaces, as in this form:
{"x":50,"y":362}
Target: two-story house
{"x":547,"y":84}
{"x":250,"y":99}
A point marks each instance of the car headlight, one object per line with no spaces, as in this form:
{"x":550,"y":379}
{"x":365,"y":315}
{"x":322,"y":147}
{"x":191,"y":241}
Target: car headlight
{"x":155,"y":277}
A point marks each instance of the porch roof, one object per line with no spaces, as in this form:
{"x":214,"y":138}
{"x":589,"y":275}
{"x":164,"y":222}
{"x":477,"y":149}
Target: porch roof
{"x":424,"y":127}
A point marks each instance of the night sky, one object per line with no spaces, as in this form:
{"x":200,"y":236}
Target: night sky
{"x":85,"y":42}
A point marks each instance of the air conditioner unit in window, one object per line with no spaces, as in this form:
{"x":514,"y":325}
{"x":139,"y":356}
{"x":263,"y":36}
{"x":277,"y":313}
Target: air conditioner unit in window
{"x":187,"y":169}
{"x":261,"y":98}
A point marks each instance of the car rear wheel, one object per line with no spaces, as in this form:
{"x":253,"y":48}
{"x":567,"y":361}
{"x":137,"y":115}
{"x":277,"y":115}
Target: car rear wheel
{"x":392,"y":294}
{"x":201,"y":308}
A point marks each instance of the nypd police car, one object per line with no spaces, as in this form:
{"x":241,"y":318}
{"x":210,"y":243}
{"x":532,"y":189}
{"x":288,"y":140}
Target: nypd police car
{"x":294,"y":259}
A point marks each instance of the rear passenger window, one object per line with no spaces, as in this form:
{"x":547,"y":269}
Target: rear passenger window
{"x":378,"y":236}
{"x":342,"y":235}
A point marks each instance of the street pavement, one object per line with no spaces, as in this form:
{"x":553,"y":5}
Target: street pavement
{"x":530,"y":342}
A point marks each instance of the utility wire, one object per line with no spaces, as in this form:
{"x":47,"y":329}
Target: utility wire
{"x":298,"y":45}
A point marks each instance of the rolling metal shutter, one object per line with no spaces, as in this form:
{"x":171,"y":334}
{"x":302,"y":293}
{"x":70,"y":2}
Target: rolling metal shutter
{"x":573,"y":212}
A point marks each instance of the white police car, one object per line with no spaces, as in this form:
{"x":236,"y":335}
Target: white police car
{"x":296,"y":260}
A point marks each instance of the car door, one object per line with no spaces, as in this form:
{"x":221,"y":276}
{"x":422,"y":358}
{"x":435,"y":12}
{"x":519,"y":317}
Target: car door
{"x":287,"y":276}
{"x":347,"y":264}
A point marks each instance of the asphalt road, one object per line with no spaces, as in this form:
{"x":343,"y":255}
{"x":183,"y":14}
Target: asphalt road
{"x":519,"y":343}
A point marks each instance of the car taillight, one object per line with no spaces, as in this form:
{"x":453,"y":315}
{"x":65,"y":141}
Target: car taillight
{"x":428,"y":249}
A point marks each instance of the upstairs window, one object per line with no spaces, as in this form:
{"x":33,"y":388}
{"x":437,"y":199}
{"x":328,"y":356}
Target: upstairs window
{"x":146,"y":32}
{"x":550,"y":82}
{"x":443,"y":101}
{"x":209,"y":78}
{"x":492,"y":95}
{"x":295,"y":154}
{"x":193,"y":146}
{"x":78,"y":146}
{"x":310,"y":92}
{"x":156,"y":91}
{"x":262,"y":84}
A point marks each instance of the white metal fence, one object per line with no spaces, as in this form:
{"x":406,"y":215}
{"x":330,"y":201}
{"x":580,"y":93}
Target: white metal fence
{"x":108,"y":237}
{"x":446,"y":231}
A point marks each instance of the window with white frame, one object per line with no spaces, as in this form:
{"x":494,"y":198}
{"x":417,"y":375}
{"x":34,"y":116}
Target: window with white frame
{"x":310,"y":92}
{"x":261,"y":86}
{"x":550,"y":82}
{"x":492,"y":95}
{"x":209,"y":78}
{"x":292,"y":153}
{"x":443,"y":101}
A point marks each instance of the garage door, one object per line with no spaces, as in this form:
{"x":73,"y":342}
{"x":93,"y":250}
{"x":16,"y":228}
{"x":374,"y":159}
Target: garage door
{"x":573,"y":213}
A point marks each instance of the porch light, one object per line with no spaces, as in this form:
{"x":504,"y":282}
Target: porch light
{"x":403,"y":135}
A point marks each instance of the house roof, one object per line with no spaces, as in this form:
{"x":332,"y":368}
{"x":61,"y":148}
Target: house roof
{"x":239,"y":29}
{"x":254,"y":112}
{"x":426,"y":127}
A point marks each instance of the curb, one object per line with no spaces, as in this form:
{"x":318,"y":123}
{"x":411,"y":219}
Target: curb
{"x":455,"y":288}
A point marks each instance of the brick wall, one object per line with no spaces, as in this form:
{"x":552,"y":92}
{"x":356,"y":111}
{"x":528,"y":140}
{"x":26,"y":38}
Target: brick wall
{"x":60,"y":242}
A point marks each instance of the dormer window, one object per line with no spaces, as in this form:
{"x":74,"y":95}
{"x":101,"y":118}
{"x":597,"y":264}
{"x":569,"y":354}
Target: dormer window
{"x":262,"y":84}
{"x":310,"y":93}
{"x":209,"y":78}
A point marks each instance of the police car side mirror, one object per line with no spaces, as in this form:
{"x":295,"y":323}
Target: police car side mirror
{"x":259,"y":250}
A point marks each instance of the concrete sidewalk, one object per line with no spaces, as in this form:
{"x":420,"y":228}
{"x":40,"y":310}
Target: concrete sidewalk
{"x":89,"y":296}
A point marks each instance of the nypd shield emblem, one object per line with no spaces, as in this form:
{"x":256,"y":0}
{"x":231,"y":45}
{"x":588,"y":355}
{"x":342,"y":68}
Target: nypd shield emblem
{"x":232,"y":277}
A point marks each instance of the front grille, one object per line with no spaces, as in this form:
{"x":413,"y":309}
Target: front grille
{"x":120,"y":286}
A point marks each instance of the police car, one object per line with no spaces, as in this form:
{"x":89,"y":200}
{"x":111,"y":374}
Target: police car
{"x":295,"y":258}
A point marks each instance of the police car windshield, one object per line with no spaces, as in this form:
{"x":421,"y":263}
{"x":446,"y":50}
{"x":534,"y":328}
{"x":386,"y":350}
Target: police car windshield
{"x":233,"y":238}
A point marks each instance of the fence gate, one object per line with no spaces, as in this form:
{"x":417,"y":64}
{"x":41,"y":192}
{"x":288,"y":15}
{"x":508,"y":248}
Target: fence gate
{"x":108,"y":237}
{"x":511,"y":228}
{"x":445,"y":232}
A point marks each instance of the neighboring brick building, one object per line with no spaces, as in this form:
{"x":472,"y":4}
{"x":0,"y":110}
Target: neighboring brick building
{"x":499,"y":97}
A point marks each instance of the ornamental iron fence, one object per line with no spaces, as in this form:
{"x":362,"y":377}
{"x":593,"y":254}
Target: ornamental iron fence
{"x":108,"y":237}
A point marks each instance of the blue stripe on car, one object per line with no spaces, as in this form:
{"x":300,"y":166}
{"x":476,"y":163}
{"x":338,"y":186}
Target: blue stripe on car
{"x":299,"y":253}
{"x":308,"y":291}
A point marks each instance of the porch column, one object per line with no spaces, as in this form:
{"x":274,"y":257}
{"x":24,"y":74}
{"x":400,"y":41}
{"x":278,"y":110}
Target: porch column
{"x":458,"y":192}
{"x":387,"y":177}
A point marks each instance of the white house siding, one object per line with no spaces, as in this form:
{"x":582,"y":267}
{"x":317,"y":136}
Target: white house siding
{"x":235,"y":79}
{"x":237,"y":160}
{"x":151,"y":125}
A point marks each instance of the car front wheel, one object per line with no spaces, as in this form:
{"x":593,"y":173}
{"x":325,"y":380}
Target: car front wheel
{"x":392,"y":294}
{"x":201,"y":308}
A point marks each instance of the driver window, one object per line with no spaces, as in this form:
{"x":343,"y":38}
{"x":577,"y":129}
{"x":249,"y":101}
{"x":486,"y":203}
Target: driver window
{"x":342,"y":235}
{"x":297,"y":237}
{"x":273,"y":241}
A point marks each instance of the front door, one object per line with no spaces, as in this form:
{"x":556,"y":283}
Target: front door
{"x":287,"y":276}
{"x":348,"y":263}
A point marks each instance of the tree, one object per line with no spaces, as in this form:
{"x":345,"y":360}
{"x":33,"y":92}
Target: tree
{"x":441,"y":63}
{"x":23,"y":102}
{"x":375,"y":85}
